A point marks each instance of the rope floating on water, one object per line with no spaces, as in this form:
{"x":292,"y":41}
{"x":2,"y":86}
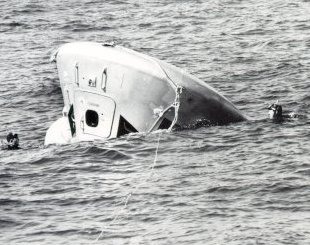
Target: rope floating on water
{"x":129,"y":195}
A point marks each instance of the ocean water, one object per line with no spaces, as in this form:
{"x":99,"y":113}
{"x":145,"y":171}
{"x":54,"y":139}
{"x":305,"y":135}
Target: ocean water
{"x":243,"y":183}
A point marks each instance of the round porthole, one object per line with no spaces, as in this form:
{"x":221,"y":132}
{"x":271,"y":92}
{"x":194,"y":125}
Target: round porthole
{"x":92,"y":118}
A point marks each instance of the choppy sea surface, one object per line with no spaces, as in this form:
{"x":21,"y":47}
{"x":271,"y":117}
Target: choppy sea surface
{"x":244,"y":183}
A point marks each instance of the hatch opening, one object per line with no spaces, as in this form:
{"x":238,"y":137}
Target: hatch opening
{"x":125,"y":127}
{"x":165,"y":124}
{"x":92,"y":118}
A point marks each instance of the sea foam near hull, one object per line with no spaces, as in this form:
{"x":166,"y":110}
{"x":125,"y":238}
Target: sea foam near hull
{"x":110,"y":91}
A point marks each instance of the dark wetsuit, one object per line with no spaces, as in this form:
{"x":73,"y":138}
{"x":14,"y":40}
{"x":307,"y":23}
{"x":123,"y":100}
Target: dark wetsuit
{"x":276,"y":113}
{"x":12,"y":141}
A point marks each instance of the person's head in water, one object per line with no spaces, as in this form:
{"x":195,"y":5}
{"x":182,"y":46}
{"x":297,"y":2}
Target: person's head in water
{"x":12,"y":141}
{"x":275,"y":111}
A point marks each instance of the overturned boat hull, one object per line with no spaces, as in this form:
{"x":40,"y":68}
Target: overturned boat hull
{"x":110,"y":91}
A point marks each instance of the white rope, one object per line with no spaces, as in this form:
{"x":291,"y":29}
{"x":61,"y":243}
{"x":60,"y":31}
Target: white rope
{"x":129,"y":195}
{"x":176,"y":106}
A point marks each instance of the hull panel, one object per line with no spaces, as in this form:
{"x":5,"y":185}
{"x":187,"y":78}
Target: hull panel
{"x":114,"y":89}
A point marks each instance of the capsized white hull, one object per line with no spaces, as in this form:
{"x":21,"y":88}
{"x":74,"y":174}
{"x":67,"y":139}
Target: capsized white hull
{"x":110,"y":91}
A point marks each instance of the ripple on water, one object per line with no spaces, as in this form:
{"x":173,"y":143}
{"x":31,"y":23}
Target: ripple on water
{"x":217,"y":184}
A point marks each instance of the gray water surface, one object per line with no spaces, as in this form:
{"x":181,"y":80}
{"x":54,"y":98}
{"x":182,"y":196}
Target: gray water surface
{"x":244,"y":183}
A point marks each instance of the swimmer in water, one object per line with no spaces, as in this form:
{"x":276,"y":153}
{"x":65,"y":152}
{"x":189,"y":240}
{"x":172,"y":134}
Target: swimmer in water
{"x":12,"y":141}
{"x":275,"y":112}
